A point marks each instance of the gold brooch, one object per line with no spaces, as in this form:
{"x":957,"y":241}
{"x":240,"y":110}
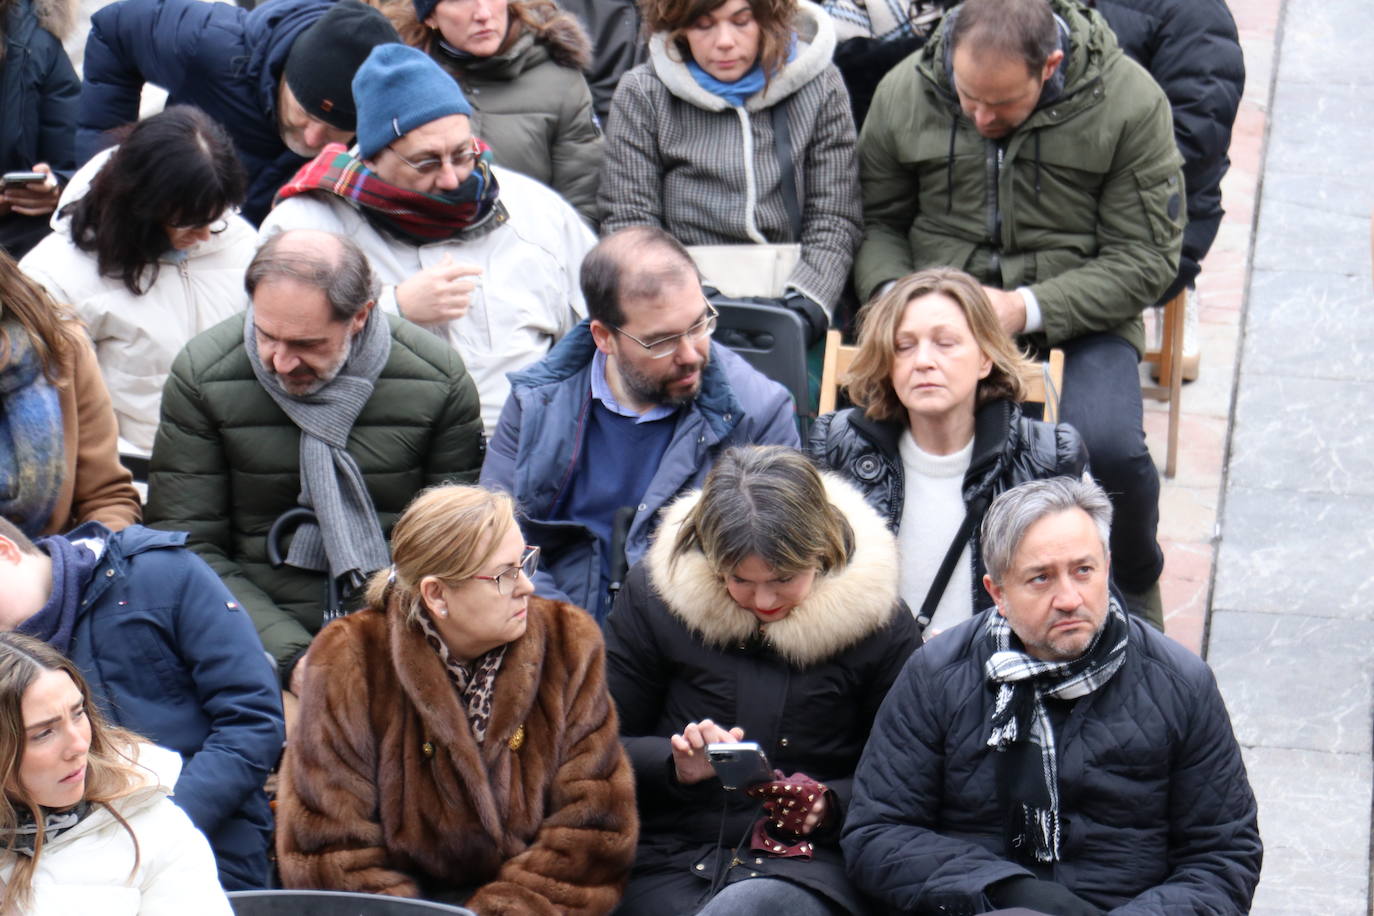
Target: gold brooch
{"x":517,"y":740}
{"x":428,"y":749}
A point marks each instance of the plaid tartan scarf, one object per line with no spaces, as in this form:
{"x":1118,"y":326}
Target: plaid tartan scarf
{"x":1019,"y":716}
{"x":416,"y":217}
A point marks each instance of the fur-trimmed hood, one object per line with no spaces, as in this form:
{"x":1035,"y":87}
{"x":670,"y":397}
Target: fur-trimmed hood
{"x":550,"y":32}
{"x":55,"y":16}
{"x":815,"y":48}
{"x":843,"y":607}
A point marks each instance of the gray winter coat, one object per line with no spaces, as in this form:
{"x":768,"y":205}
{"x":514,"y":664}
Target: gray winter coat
{"x":682,"y":158}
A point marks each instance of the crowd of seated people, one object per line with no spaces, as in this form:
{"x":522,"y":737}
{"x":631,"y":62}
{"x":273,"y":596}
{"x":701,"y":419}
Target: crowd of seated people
{"x":416,"y":439}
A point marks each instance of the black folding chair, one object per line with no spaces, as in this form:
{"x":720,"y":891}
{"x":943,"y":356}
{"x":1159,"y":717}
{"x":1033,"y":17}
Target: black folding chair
{"x":333,"y":903}
{"x":773,"y":339}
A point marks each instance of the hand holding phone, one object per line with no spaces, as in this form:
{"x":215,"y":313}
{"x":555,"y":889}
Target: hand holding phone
{"x":739,"y":764}
{"x":689,"y":749}
{"x":32,"y":193}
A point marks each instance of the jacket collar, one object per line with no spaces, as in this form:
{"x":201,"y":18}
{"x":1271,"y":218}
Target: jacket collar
{"x":843,"y":608}
{"x":815,"y":48}
{"x":571,"y":358}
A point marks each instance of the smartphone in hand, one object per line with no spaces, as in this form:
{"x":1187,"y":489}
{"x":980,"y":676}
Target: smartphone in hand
{"x":23,"y":178}
{"x":739,"y":764}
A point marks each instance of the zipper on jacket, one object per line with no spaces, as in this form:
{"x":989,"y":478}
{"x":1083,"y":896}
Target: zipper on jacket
{"x":992,"y":177}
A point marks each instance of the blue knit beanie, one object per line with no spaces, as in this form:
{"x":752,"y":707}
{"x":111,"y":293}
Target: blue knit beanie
{"x":398,"y":89}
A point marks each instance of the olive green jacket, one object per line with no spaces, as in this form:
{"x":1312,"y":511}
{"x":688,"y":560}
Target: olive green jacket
{"x":1083,"y":203}
{"x":226,"y":463}
{"x":533,"y":107}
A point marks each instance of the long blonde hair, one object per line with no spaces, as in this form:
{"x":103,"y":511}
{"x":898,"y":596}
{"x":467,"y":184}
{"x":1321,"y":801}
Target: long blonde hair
{"x":869,"y":379}
{"x":449,"y":532}
{"x":110,"y":774}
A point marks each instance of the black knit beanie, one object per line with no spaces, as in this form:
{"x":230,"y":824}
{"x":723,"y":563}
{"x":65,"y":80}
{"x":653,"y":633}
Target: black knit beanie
{"x":325,"y":56}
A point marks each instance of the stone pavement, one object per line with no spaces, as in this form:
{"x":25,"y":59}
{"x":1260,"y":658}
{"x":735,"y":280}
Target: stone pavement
{"x":1268,"y":526}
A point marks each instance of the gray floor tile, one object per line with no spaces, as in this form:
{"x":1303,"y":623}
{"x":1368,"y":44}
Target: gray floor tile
{"x":1327,"y":42}
{"x":1317,"y":223}
{"x":1318,"y":129}
{"x":1309,"y":325}
{"x":1314,"y":820}
{"x":1277,"y":554}
{"x":1304,"y":434}
{"x":1292,"y":681}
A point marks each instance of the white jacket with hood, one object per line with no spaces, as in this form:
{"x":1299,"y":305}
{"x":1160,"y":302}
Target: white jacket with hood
{"x":137,"y":337}
{"x":90,"y":868}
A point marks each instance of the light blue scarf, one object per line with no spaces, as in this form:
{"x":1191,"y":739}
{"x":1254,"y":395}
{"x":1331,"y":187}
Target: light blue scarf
{"x":738,"y":92}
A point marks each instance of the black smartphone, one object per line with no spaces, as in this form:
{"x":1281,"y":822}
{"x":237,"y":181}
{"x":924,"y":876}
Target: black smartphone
{"x":739,"y":764}
{"x":23,"y":178}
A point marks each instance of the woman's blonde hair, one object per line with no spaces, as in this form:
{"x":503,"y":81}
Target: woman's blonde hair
{"x":449,"y":532}
{"x":869,"y":379}
{"x":773,"y":16}
{"x":110,"y":773}
{"x":767,"y":500}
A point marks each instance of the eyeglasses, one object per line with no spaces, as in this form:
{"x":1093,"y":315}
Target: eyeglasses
{"x":666,"y":346}
{"x":507,"y":578}
{"x":215,"y":228}
{"x":460,"y":159}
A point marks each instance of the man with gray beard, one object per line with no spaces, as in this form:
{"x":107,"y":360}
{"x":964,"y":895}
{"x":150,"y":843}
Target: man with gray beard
{"x":312,"y":399}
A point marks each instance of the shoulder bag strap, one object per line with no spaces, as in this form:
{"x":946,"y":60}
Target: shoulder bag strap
{"x":782,"y":137}
{"x":956,"y":547}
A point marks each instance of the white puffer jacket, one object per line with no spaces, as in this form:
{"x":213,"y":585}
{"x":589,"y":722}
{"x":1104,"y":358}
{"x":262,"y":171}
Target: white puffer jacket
{"x":529,"y":297}
{"x":137,"y":337}
{"x":90,"y":868}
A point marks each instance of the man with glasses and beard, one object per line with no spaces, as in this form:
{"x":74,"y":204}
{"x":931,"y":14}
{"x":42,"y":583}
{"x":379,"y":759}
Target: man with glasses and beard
{"x":483,"y":257}
{"x":628,"y":410}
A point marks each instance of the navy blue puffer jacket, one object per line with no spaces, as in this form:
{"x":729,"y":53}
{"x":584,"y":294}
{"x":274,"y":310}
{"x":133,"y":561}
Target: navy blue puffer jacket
{"x":173,"y":656}
{"x":38,"y":91}
{"x":224,"y":60}
{"x":1157,"y":809}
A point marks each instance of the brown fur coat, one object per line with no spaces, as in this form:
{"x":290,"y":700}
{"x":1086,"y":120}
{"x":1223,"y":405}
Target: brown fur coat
{"x":383,"y":789}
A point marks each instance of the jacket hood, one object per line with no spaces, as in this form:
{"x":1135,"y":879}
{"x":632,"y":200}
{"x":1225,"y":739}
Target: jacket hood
{"x":815,"y":48}
{"x":843,"y":607}
{"x":269,"y":32}
{"x":549,"y":34}
{"x":76,"y":189}
{"x":56,"y":16}
{"x":1086,"y":39}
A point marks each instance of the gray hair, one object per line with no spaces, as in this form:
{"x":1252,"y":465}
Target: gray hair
{"x":1015,"y":511}
{"x":346,"y":279}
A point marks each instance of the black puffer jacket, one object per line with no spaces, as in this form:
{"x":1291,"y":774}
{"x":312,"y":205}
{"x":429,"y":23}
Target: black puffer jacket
{"x":1008,"y":449}
{"x":1157,"y":808}
{"x":1192,"y":50}
{"x":38,"y":88}
{"x":679,"y":650}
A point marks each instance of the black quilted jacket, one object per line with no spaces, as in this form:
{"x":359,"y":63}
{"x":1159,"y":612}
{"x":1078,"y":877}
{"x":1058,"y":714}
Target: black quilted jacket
{"x":1157,"y":808}
{"x":1008,"y":449}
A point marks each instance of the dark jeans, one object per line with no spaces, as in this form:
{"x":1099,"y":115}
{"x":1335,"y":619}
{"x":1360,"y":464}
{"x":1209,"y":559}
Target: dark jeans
{"x":1101,"y":400}
{"x":678,"y":892}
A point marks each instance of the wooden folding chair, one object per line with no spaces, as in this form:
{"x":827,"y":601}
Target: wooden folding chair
{"x":1169,"y":356}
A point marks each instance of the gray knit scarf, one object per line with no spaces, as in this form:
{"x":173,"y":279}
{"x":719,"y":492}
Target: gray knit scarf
{"x":1019,"y":716}
{"x":348,"y":539}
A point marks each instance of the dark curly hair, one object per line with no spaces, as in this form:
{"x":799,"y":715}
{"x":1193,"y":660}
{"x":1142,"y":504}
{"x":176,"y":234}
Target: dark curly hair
{"x":176,"y":168}
{"x":773,"y":16}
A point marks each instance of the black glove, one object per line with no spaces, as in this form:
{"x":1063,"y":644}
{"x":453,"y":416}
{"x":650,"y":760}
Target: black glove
{"x":817,"y":321}
{"x":1045,"y":896}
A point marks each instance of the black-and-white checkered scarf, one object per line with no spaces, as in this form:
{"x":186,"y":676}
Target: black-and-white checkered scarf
{"x":1019,"y":714}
